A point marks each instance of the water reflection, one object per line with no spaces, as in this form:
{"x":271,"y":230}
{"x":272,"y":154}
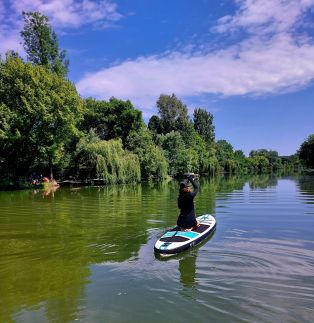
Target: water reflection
{"x":187,"y":269}
{"x":48,"y":244}
{"x":306,"y":187}
{"x":263,"y":247}
{"x":187,"y":264}
{"x":263,"y":181}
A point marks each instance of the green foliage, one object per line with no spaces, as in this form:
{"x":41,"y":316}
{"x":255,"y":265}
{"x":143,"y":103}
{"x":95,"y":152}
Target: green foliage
{"x":151,"y":157}
{"x":224,"y":153}
{"x":240,"y":159}
{"x":43,"y":121}
{"x":173,"y":113}
{"x":306,"y":152}
{"x":41,"y":44}
{"x":112,"y":119}
{"x":107,"y":160}
{"x":5,"y":119}
{"x":199,"y":147}
{"x":185,"y":148}
{"x":39,"y":111}
{"x":155,"y":125}
{"x":291,"y":163}
{"x":203,"y":124}
{"x":258,"y":164}
{"x":179,"y":158}
{"x":274,"y":161}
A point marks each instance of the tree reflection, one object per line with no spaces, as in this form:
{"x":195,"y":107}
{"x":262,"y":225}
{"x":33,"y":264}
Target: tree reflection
{"x":47,"y":245}
{"x":306,"y":185}
{"x":187,"y":269}
{"x":262,"y":181}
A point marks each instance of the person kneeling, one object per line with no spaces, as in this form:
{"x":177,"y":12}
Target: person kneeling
{"x":186,"y":219}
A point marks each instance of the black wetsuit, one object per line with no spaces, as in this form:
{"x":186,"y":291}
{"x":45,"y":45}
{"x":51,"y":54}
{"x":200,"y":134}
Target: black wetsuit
{"x":186,"y":217}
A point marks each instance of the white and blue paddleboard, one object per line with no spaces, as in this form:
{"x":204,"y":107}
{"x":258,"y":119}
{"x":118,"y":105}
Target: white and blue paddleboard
{"x":175,"y":241}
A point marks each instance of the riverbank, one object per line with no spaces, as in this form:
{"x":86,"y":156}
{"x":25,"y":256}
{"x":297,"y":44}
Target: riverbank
{"x":9,"y":185}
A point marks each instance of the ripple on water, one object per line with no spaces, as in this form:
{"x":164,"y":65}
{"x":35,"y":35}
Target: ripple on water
{"x":254,"y":271}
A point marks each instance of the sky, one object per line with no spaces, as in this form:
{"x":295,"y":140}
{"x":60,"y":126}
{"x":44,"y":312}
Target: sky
{"x":248,"y":62}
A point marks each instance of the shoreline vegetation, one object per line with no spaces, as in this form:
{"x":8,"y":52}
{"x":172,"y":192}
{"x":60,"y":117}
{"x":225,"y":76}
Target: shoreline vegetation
{"x":47,"y":128}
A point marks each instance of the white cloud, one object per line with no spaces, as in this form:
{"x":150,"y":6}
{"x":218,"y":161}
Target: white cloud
{"x":71,"y":13}
{"x":259,"y":64}
{"x":9,"y":40}
{"x":265,"y":15}
{"x":62,"y":14}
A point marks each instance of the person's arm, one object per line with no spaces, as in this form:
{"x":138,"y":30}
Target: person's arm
{"x":195,"y":186}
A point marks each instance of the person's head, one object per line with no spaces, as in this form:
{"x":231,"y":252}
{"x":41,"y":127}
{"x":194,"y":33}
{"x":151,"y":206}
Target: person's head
{"x":184,"y":188}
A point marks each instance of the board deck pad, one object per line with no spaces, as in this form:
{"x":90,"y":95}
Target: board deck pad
{"x":174,"y":241}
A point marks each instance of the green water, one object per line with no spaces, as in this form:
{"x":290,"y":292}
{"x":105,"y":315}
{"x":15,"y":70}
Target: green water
{"x":86,"y":254}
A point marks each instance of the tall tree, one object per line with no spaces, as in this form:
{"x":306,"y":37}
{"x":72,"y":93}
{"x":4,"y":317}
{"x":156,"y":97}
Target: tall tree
{"x":41,"y":44}
{"x":173,"y":113}
{"x":38,"y":118}
{"x":306,"y":152}
{"x":203,"y":124}
{"x":224,"y":153}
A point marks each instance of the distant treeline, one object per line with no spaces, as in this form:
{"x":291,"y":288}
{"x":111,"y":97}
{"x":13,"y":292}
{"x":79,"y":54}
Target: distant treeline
{"x":45,"y":125}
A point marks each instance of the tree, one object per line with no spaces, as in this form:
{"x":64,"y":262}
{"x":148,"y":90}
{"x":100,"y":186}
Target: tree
{"x":306,"y":152}
{"x":106,"y":159}
{"x":240,"y":160}
{"x":258,"y":163}
{"x":151,"y":157}
{"x":41,"y":44}
{"x":180,"y":158}
{"x":112,"y":119}
{"x":224,"y":152}
{"x":173,"y":112}
{"x":155,"y":125}
{"x":274,"y":161}
{"x":291,"y":163}
{"x":203,"y":124}
{"x":38,"y":118}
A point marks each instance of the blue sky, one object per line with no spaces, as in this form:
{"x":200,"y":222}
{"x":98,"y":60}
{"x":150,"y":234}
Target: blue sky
{"x":249,"y":62}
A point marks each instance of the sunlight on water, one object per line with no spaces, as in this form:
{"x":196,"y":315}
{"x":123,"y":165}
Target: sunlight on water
{"x":86,"y":254}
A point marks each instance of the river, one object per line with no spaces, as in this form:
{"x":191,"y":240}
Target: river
{"x":86,"y":254}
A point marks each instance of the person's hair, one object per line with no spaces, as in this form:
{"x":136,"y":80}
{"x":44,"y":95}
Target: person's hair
{"x":185,"y":190}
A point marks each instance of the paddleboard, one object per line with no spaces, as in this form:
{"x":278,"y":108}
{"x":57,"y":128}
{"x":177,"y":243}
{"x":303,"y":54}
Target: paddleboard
{"x":175,"y":240}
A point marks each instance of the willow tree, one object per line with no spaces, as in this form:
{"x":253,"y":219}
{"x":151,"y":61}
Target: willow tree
{"x":107,"y":160}
{"x":41,"y":44}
